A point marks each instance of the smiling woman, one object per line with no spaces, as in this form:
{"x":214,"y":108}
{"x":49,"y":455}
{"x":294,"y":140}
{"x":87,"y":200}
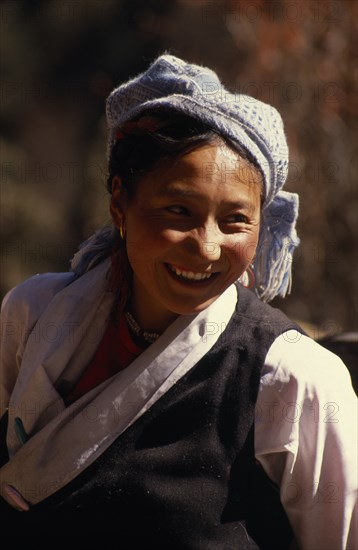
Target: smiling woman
{"x":175,"y":408}
{"x":190,"y":234}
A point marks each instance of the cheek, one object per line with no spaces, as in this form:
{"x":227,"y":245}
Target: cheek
{"x":242,"y":251}
{"x":148,"y":236}
{"x":146,"y":247}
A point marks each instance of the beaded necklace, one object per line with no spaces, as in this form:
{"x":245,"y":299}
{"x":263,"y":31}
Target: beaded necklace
{"x":148,"y":337}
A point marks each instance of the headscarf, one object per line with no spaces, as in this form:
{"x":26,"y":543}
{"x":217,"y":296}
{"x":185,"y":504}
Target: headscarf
{"x":172,"y":83}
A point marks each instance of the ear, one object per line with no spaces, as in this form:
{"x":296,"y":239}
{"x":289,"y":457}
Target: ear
{"x":118,"y":204}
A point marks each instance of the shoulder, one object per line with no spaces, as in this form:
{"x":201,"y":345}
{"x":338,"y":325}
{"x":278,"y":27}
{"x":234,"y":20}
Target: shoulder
{"x":251,"y":309}
{"x":297,"y":357}
{"x":34,"y":294}
{"x":257,"y":324}
{"x":24,"y":304}
{"x":20,"y":311}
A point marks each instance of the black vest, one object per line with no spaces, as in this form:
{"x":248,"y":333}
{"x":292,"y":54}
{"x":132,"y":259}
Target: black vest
{"x":184,"y":475}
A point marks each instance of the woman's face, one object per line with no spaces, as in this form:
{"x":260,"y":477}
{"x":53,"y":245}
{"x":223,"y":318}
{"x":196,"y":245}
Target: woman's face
{"x":191,"y":230}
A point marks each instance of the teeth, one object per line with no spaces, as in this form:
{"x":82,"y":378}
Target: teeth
{"x":190,"y":274}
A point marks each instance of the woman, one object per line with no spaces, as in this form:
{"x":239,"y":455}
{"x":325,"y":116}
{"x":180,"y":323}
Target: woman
{"x":147,"y":394}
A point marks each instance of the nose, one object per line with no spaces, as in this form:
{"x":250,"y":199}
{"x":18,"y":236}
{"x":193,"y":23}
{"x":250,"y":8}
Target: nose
{"x":206,"y":242}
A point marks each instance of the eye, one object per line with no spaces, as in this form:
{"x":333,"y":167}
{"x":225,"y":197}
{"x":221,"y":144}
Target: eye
{"x":177,"y":209}
{"x":237,"y":218}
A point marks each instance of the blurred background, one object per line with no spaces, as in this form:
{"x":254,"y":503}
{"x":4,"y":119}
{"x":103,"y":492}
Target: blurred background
{"x":60,"y":60}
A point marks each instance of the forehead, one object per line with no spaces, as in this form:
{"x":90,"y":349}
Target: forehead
{"x":207,"y":167}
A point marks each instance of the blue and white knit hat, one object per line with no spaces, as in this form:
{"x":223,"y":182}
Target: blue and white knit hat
{"x":196,"y":91}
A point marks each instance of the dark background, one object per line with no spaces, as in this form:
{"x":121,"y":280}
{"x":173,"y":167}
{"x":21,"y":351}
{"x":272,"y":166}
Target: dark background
{"x":60,"y":60}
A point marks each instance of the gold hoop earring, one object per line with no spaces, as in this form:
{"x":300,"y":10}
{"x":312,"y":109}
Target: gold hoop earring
{"x":247,"y":279}
{"x":122,"y":232}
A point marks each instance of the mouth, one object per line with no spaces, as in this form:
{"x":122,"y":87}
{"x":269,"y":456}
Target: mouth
{"x":188,"y":276}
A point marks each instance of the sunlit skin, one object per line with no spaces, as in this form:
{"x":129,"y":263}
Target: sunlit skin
{"x":199,"y":214}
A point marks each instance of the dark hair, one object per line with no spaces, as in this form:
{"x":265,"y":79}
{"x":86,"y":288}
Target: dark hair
{"x":138,"y":151}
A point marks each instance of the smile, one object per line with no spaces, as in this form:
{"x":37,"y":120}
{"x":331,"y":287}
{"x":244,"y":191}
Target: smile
{"x":189,"y":275}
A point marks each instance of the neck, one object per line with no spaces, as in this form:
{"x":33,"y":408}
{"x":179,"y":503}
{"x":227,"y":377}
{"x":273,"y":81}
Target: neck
{"x":149,"y":319}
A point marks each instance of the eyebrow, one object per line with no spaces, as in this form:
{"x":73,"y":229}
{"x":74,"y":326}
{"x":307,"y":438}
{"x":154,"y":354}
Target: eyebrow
{"x":178,"y":191}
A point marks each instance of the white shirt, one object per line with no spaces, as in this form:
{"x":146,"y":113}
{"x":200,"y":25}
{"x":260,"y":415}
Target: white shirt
{"x":306,"y":440}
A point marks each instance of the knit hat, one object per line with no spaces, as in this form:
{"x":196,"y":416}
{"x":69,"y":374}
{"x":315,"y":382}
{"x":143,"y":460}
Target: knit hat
{"x":172,"y":83}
